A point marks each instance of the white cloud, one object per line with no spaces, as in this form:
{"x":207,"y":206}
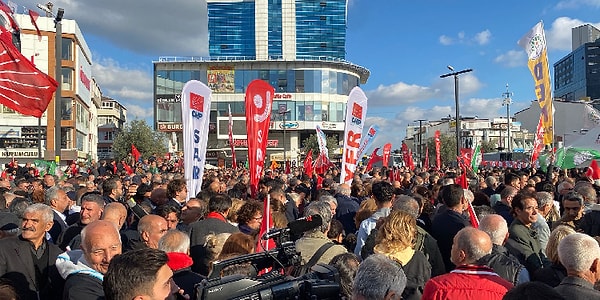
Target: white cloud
{"x":572,"y":4}
{"x":121,"y":82}
{"x":142,"y":27}
{"x":468,"y":83}
{"x":400,"y":93}
{"x":446,"y":40}
{"x":512,"y":58}
{"x":483,"y":37}
{"x":558,"y":37}
{"x":138,"y":112}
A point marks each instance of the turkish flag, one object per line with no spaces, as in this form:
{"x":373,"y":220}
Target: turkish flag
{"x":308,"y":163}
{"x":135,"y":153}
{"x":23,"y":87}
{"x":593,"y":170}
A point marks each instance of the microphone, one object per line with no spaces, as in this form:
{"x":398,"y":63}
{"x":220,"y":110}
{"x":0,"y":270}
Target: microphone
{"x":296,"y":227}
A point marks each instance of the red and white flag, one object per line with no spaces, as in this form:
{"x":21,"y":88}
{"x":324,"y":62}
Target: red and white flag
{"x":259,"y":99}
{"x":387,"y":150}
{"x":135,"y":153}
{"x":356,"y":114}
{"x":23,"y":87}
{"x":438,"y":157}
{"x":426,"y":164}
{"x":593,"y":170}
{"x":265,"y":226}
{"x":233,"y":160}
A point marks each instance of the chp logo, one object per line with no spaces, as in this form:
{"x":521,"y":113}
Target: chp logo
{"x":357,"y":114}
{"x":197,"y":105}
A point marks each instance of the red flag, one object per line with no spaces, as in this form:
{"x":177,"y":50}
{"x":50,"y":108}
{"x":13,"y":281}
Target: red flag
{"x":464,"y":160}
{"x":127,"y":168}
{"x":538,"y":143}
{"x":373,"y":160}
{"x":462,"y":179}
{"x":23,"y":87}
{"x":259,"y":99}
{"x":308,"y":163}
{"x":473,"y":216}
{"x":438,"y":158}
{"x":593,"y":170}
{"x":135,"y":153}
{"x":411,"y":162}
{"x":287,"y":167}
{"x":426,"y":158}
{"x":34,"y":16}
{"x":322,"y":163}
{"x":8,"y":27}
{"x":387,"y":150}
{"x":265,"y":226}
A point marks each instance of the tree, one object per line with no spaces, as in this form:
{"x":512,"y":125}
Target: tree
{"x":146,"y":140}
{"x":447,"y":149}
{"x":312,"y":143}
{"x":489,"y":146}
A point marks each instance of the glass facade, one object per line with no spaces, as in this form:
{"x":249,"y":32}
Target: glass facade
{"x":577,"y":75}
{"x":231,"y":28}
{"x":321,"y":28}
{"x":275,"y":29}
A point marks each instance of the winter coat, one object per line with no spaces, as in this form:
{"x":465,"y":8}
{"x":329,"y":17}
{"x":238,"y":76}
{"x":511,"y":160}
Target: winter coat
{"x":82,"y":282}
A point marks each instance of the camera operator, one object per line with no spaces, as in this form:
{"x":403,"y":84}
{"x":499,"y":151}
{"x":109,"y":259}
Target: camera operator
{"x":314,"y":246}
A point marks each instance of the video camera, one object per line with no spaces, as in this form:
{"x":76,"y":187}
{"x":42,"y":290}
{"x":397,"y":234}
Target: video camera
{"x":321,"y":283}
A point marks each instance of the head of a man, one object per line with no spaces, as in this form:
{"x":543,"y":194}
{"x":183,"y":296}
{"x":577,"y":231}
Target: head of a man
{"x":220,"y":203}
{"x":113,"y":187}
{"x":383,"y":192}
{"x":92,"y":205}
{"x":322,"y":209}
{"x":49,"y":180}
{"x":174,"y":241}
{"x":580,"y":255}
{"x":151,"y":229}
{"x":496,"y":227}
{"x":378,"y":278}
{"x":37,"y":220}
{"x":139,"y":274}
{"x":177,"y":189}
{"x":193,"y":211}
{"x":116,"y":213}
{"x":573,"y":204}
{"x":524,"y":206}
{"x":57,"y":199}
{"x":545,"y":202}
{"x":453,"y":196}
{"x":171,"y":214}
{"x":469,"y":246}
{"x":100,"y":242}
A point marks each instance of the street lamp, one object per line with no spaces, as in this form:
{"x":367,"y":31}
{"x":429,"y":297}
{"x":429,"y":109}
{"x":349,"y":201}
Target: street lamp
{"x":283,"y":113}
{"x":455,"y":74}
{"x":420,"y":141}
{"x":47,"y":8}
{"x":507,"y":101}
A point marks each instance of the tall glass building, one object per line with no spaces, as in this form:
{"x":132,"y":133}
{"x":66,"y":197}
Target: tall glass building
{"x":296,"y":46}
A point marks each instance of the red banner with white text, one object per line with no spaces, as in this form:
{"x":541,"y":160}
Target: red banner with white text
{"x":259,"y":99}
{"x":438,"y":158}
{"x":387,"y":150}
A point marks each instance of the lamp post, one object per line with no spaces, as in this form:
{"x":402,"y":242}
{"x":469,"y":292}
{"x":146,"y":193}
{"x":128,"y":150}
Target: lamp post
{"x":420,"y":141}
{"x":507,"y":101}
{"x":455,"y":74}
{"x":47,"y":8}
{"x":283,"y":113}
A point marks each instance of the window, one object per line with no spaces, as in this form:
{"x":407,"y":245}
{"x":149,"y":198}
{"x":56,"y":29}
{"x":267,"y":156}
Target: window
{"x":67,"y":49}
{"x":67,"y":79}
{"x":66,"y":108}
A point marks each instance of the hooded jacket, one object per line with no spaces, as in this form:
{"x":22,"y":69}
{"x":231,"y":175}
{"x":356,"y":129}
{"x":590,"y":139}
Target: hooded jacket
{"x":82,"y":282}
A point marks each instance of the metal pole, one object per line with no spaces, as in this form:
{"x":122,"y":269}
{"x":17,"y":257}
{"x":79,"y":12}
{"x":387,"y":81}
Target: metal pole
{"x":57,"y":95}
{"x":420,"y":141}
{"x":455,"y":74}
{"x":40,"y":138}
{"x":507,"y":102}
{"x":284,"y":155}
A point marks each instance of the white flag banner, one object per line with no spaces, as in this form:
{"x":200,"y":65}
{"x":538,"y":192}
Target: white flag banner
{"x":322,"y":140}
{"x":195,"y":112}
{"x":356,"y":112}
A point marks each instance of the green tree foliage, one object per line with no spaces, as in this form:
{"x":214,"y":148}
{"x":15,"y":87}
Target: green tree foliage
{"x":145,"y":139}
{"x":312,"y":143}
{"x":447,"y":149}
{"x":489,"y":146}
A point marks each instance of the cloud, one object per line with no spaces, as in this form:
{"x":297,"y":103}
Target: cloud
{"x":512,"y":58}
{"x":121,"y":82}
{"x":142,"y":27}
{"x":483,"y":37}
{"x":138,"y":112}
{"x":480,"y":38}
{"x":400,"y":93}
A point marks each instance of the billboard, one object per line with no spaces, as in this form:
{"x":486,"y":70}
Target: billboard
{"x":83,"y":77}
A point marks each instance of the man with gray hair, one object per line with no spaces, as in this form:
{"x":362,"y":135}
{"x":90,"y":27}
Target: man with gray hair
{"x":57,"y":199}
{"x":177,"y":246}
{"x":469,"y":280}
{"x":347,"y":206}
{"x":580,"y":255}
{"x":378,"y":278}
{"x":314,"y":246}
{"x":492,"y":184}
{"x":500,"y":260}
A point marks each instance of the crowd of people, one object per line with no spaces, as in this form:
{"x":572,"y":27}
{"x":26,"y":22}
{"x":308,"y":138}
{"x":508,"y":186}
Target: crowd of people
{"x":105,"y":233}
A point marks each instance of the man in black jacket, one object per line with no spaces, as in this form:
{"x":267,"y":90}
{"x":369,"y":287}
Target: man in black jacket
{"x":215,"y":222}
{"x":500,"y":260}
{"x":84,"y":269}
{"x":580,"y":254}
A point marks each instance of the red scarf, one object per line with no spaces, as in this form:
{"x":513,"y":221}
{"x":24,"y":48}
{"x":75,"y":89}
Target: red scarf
{"x":215,"y":215}
{"x":178,"y":261}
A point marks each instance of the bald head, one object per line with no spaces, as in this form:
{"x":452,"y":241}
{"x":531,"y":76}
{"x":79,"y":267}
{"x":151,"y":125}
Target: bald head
{"x":116,"y":213}
{"x":470,"y":245}
{"x":151,"y":229}
{"x":496,"y":227}
{"x":100,"y":242}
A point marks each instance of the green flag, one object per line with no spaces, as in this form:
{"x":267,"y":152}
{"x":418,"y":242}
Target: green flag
{"x":476,"y":159}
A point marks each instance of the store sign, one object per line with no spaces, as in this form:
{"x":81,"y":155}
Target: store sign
{"x":170,"y":127}
{"x":282,"y":96}
{"x":244,"y":143}
{"x":17,"y":153}
{"x":328,"y":125}
{"x":7,"y":132}
{"x":289,"y":125}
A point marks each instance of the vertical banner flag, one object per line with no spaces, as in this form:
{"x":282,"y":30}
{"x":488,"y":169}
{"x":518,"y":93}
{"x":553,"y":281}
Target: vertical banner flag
{"x":367,"y":141}
{"x":356,"y":112}
{"x":438,"y":157}
{"x":534,"y":43}
{"x":322,"y":140}
{"x":405,"y":154}
{"x":411,"y":162}
{"x":476,"y":158}
{"x":233,"y":160}
{"x":387,"y":150}
{"x":426,"y":158}
{"x":538,"y":142}
{"x":195,"y":112}
{"x":308,"y":164}
{"x":259,"y":99}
